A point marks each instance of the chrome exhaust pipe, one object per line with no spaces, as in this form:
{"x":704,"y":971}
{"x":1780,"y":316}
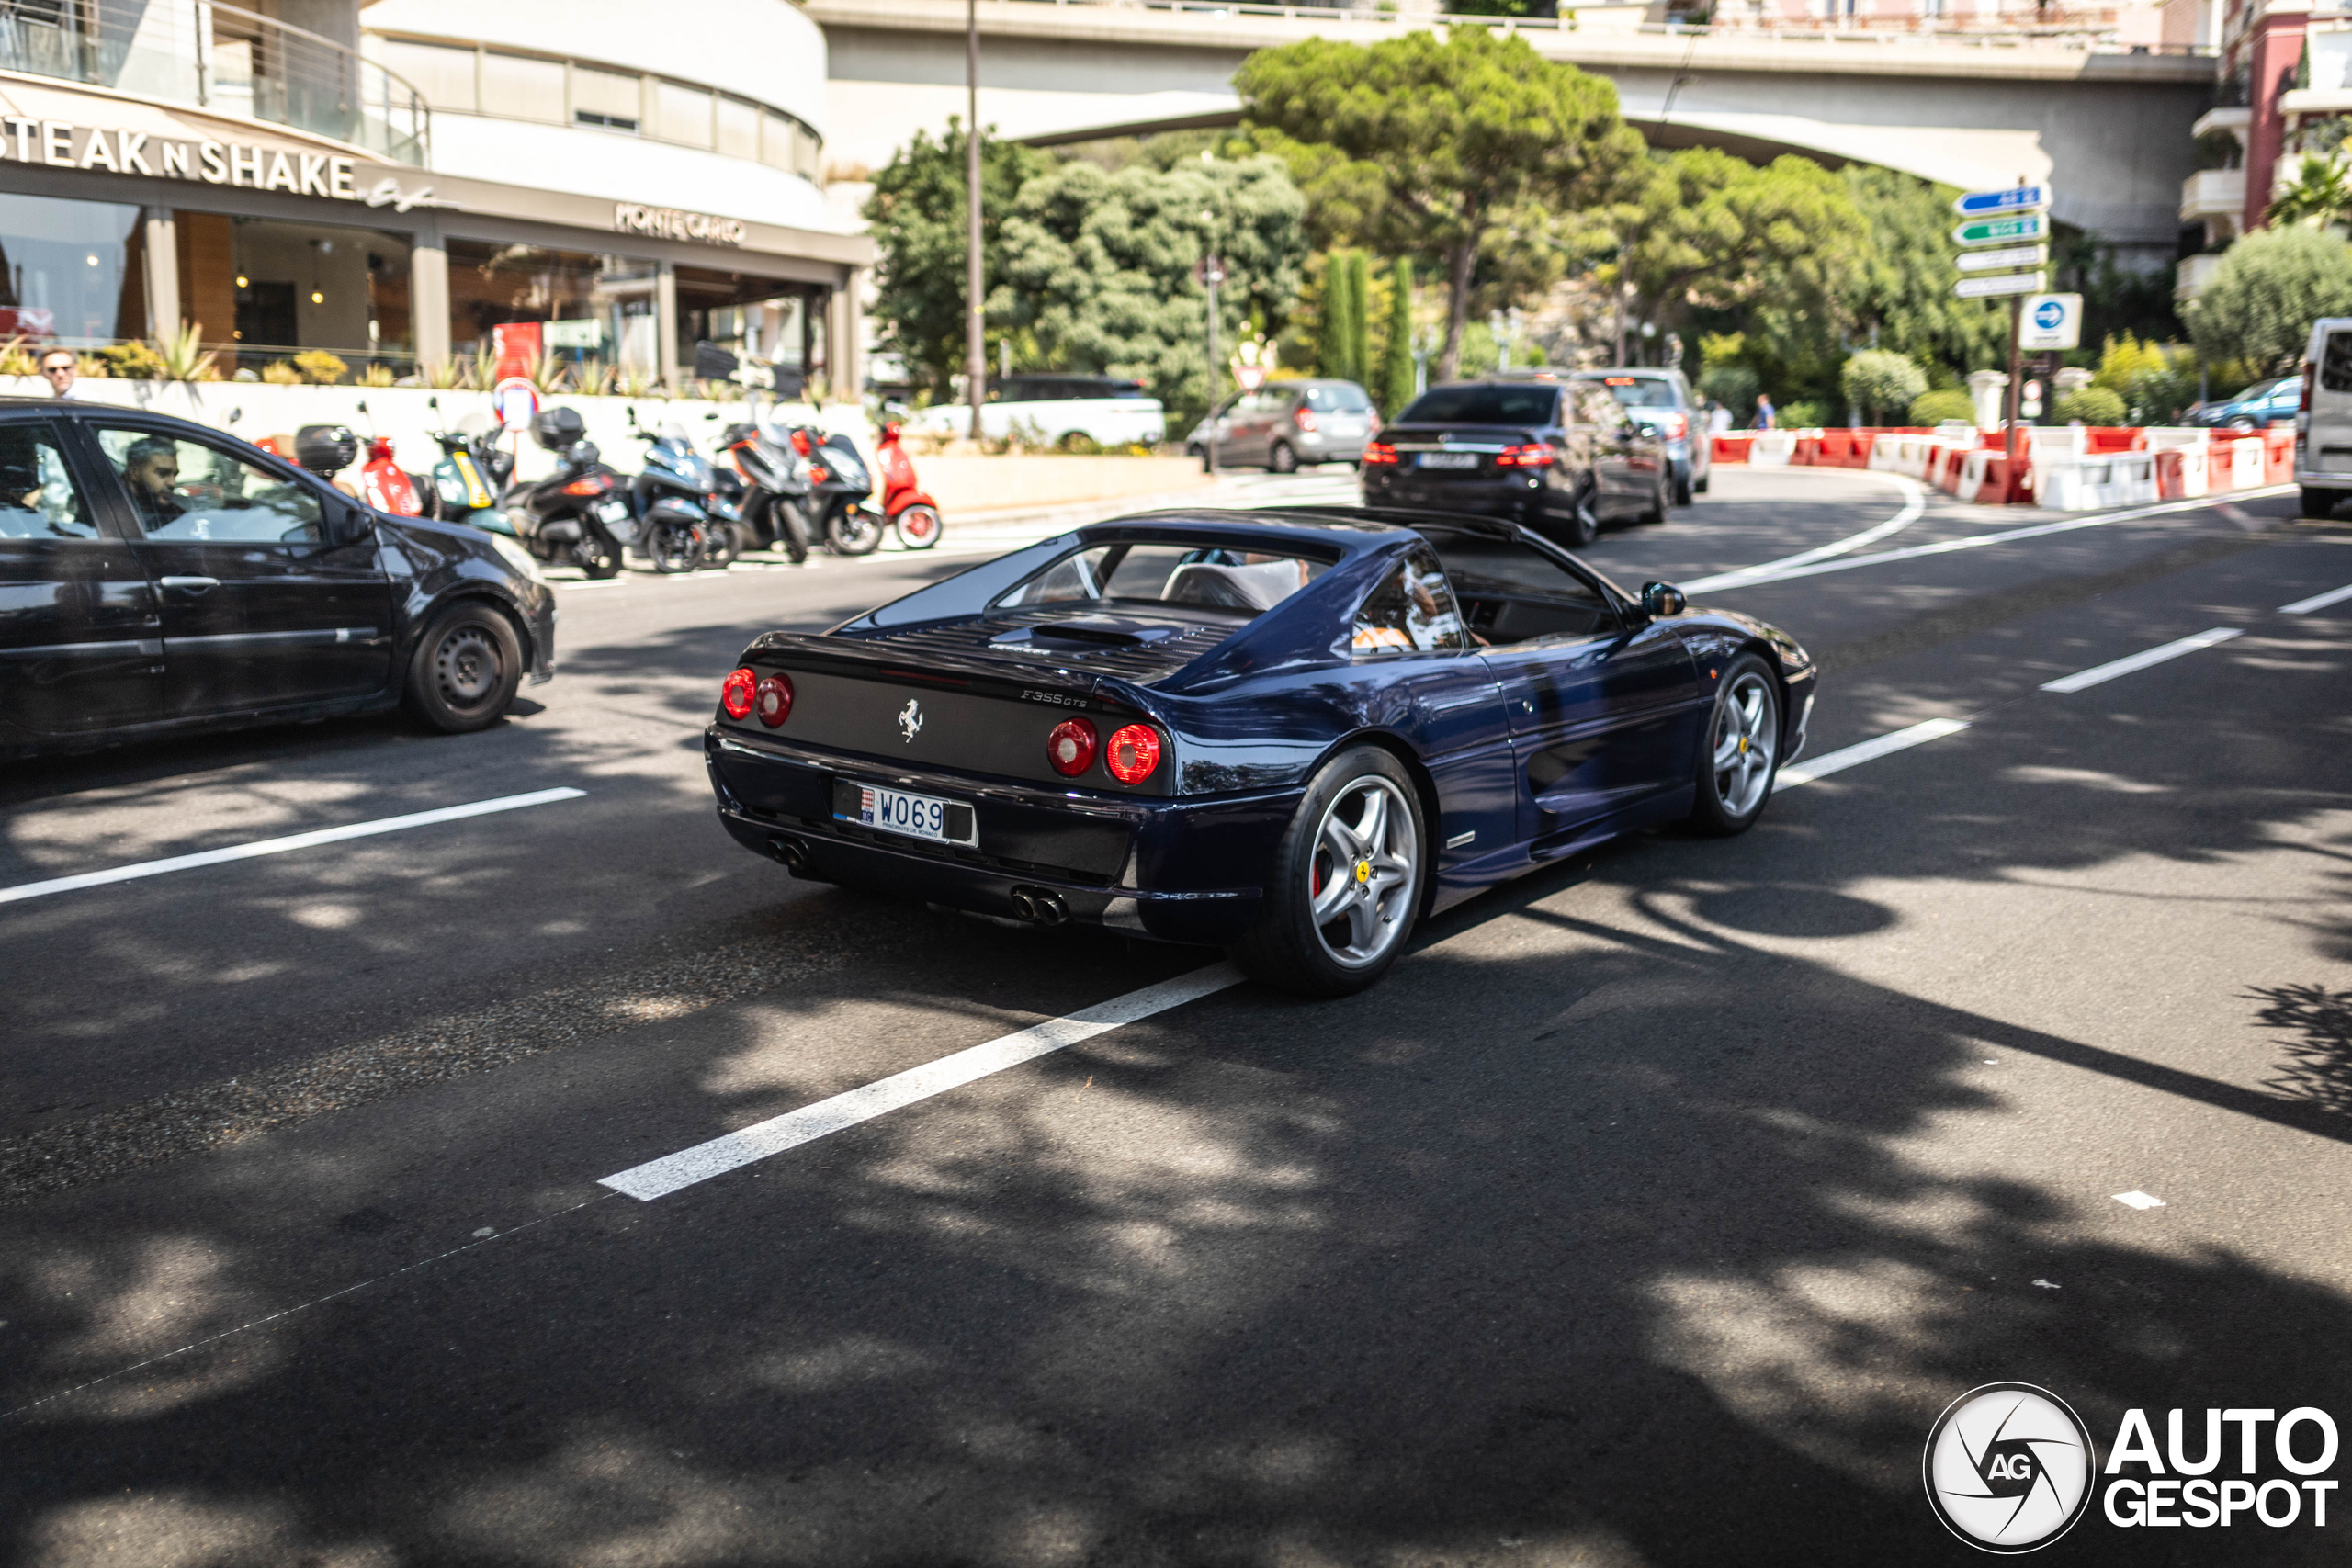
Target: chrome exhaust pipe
{"x":1040,"y":905}
{"x":791,"y":853}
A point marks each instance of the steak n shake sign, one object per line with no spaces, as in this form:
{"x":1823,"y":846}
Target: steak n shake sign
{"x":58,"y":144}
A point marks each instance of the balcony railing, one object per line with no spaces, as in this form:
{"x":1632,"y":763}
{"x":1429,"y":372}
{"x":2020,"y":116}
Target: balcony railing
{"x":222,"y":58}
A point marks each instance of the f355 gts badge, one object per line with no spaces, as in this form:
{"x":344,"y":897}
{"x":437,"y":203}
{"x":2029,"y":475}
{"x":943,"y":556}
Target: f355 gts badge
{"x":909,"y":720}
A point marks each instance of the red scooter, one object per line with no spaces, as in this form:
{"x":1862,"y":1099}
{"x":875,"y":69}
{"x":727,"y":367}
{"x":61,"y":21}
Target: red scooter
{"x":904,"y":502}
{"x":384,"y":485}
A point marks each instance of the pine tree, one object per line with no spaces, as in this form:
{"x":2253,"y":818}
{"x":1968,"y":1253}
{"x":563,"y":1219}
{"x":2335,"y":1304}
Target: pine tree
{"x":1397,"y":365}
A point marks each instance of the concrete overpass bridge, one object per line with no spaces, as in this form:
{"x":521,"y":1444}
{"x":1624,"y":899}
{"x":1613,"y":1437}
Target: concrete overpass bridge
{"x":2111,"y":128}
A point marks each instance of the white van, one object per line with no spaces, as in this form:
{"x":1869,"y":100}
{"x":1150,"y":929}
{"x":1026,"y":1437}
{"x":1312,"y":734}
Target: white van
{"x":2324,"y":428}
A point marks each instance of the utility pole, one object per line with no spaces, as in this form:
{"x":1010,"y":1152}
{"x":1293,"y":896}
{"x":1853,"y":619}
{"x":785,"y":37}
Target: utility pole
{"x":976,"y":357}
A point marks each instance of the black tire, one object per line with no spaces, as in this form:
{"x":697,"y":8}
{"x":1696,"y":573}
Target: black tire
{"x":1699,"y":486}
{"x":1684,"y":492}
{"x":2319,"y":504}
{"x":464,"y":669}
{"x":1583,"y":524}
{"x":1201,"y":455}
{"x":720,"y":545}
{"x":855,"y":532}
{"x":672,"y":547}
{"x":1286,"y":948}
{"x":791,"y":528}
{"x":597,"y":556}
{"x":1732,"y":795}
{"x":1280,"y":459}
{"x":1661,"y":499}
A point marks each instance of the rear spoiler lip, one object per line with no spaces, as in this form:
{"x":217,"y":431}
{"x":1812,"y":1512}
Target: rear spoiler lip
{"x":991,"y":677}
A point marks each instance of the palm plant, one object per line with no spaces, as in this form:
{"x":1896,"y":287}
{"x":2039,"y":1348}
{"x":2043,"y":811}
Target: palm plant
{"x":2319,"y":195}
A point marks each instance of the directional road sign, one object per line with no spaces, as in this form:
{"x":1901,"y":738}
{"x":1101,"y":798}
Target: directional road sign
{"x":2013,"y":199}
{"x":2022,"y":229}
{"x":2051,"y":321}
{"x":2000,"y":288}
{"x":2003,"y":260}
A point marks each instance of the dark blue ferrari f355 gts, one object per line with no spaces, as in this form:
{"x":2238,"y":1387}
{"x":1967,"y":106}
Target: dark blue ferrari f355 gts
{"x":1290,"y":733}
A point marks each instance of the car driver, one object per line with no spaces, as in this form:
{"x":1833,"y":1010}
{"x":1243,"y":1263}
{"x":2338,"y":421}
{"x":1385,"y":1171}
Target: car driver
{"x":151,"y":468}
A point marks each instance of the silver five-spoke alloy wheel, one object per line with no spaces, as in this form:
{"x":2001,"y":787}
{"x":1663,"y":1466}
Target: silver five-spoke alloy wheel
{"x":1746,"y":740}
{"x":1362,"y":877}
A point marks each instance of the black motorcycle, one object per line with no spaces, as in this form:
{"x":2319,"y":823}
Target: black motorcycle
{"x":581,"y":514}
{"x":837,"y":485}
{"x":676,"y":504}
{"x":772,"y":489}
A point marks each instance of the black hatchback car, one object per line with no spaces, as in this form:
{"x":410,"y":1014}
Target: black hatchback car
{"x":1559,"y":458}
{"x":157,"y":576}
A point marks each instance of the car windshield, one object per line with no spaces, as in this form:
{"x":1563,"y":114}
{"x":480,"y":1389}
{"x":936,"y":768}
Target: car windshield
{"x":1642,"y":391}
{"x":1242,"y":583}
{"x":1483,"y":405}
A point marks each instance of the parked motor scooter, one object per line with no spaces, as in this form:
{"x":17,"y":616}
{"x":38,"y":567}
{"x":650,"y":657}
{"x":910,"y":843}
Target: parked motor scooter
{"x":674,"y":497}
{"x":473,"y":472}
{"x":581,"y":514}
{"x":904,"y":501}
{"x":838,"y":486}
{"x":773,"y":508}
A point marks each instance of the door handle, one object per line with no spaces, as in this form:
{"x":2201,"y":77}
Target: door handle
{"x":192,"y":584}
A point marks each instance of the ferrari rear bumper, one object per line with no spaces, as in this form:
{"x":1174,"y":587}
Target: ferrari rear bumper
{"x":1173,"y":869}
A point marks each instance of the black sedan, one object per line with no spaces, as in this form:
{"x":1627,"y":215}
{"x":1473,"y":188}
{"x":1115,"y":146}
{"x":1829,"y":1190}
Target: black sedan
{"x":157,"y":576}
{"x":1291,"y":733}
{"x":1560,"y":456}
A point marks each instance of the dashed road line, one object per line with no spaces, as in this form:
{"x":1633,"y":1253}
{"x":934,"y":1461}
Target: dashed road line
{"x":24,"y":890}
{"x":660,"y":1178}
{"x":2317,"y":602}
{"x":1867,"y":751}
{"x":2098,"y":673}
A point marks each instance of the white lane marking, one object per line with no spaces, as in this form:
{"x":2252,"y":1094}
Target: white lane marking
{"x":2138,"y":1200}
{"x":660,"y":1178}
{"x":2317,"y":602}
{"x":2109,"y":671}
{"x":1914,"y":502}
{"x":1974,"y":542}
{"x":280,"y":846}
{"x":1867,"y":751}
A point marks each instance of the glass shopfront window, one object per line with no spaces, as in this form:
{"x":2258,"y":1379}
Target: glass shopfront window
{"x":72,"y":272}
{"x":763,"y":320}
{"x":595,"y":310}
{"x":262,"y":291}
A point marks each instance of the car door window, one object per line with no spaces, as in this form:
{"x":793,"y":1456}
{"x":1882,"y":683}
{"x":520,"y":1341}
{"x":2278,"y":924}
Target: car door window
{"x":38,"y":498}
{"x":1413,"y":611}
{"x":1511,"y":592}
{"x":195,"y":492}
{"x":2335,"y":362}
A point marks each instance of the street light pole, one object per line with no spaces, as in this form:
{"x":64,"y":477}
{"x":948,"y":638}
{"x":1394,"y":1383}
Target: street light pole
{"x":976,"y":359}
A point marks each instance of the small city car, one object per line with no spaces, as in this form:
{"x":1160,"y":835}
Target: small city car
{"x":2251,"y":409}
{"x":1285,"y":423}
{"x":1661,"y":402}
{"x":1557,"y":456}
{"x":1293,"y":734}
{"x":158,"y":576}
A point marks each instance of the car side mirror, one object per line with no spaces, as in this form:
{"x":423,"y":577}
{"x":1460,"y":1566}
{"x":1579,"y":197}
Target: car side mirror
{"x":1660,"y":599}
{"x":349,"y":526}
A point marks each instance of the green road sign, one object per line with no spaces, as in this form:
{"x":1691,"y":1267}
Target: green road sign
{"x":2020,"y":229}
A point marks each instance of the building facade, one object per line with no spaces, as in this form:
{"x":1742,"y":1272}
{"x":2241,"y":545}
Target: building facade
{"x":417,"y":181}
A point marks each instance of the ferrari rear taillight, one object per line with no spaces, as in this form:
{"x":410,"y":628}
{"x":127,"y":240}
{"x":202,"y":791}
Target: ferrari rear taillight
{"x":1380,"y":451}
{"x":1071,"y":748}
{"x":1132,"y":754}
{"x":773,"y":700}
{"x":736,"y":694}
{"x":1305,"y":419}
{"x":1528,"y":454}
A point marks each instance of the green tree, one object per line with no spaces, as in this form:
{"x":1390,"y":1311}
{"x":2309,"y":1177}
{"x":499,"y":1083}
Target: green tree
{"x":1430,"y":142}
{"x":1336,"y":314}
{"x":2320,"y":194}
{"x":1099,"y":268}
{"x":1903,"y":298}
{"x":1359,"y":316}
{"x":2259,"y":304}
{"x":916,"y":215}
{"x":1879,"y":379}
{"x":2092,"y":405}
{"x":1395,"y":389}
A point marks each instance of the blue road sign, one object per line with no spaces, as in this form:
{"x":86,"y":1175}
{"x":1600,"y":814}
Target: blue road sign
{"x":2009,"y":198}
{"x":2049,"y":315}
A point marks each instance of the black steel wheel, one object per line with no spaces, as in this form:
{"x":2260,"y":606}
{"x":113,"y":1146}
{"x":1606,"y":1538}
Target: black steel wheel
{"x":720,"y":545}
{"x":464,"y":670}
{"x":673,"y":545}
{"x":597,"y":556}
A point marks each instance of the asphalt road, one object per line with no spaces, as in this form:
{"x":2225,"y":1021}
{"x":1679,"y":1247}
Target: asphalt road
{"x":1648,"y":1213}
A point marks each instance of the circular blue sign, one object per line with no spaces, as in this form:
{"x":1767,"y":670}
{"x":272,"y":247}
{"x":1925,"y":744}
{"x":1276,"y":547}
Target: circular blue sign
{"x":2049,"y":315}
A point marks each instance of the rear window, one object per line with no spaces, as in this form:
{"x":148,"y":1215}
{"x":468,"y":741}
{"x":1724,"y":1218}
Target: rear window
{"x":1640,"y":392}
{"x":2335,"y":362}
{"x":1242,"y":583}
{"x":1339,"y":399}
{"x":1483,"y":405}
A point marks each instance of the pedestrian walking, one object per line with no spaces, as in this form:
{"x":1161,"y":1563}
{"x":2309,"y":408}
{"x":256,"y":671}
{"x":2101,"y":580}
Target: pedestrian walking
{"x":1766,"y":418}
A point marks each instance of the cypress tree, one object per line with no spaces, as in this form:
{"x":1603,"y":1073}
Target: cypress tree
{"x":1332,"y":337}
{"x":1358,"y":313}
{"x":1395,"y":389}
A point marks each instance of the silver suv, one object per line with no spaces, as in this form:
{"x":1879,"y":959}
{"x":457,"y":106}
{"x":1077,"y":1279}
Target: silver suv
{"x":1285,"y":423}
{"x":1660,"y":401}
